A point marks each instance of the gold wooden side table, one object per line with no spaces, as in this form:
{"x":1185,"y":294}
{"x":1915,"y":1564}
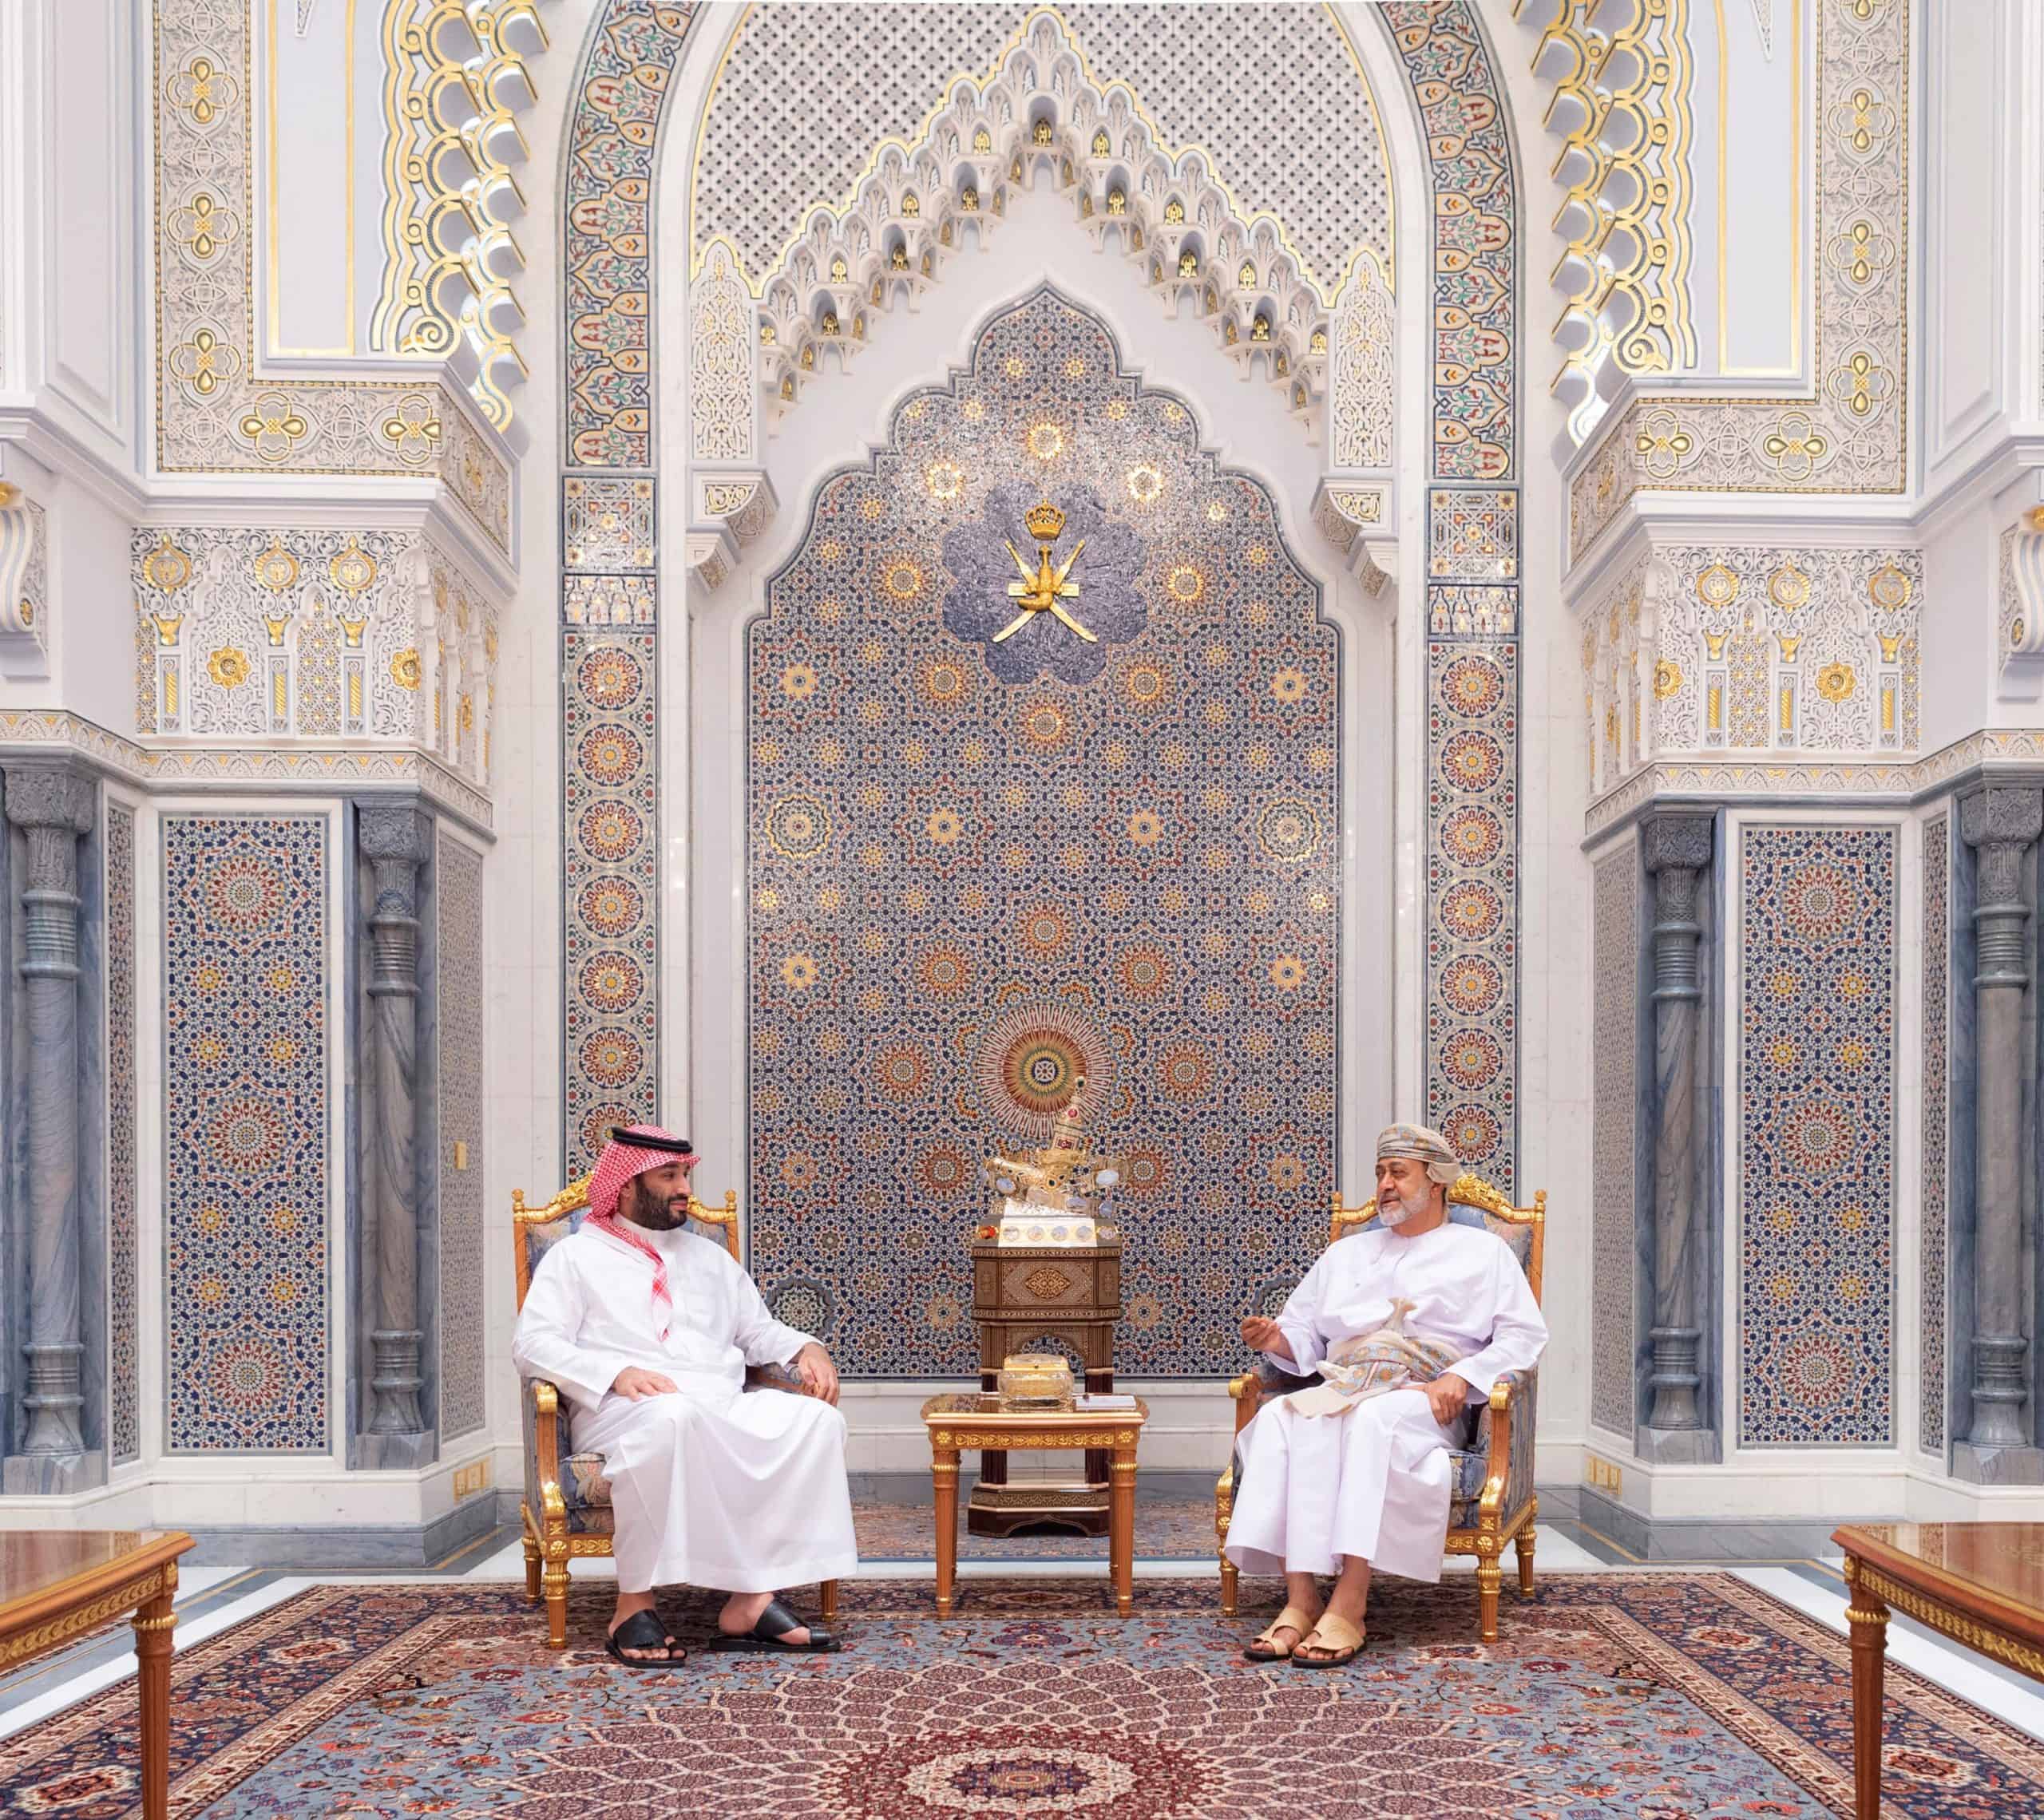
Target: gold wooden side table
{"x":977,"y":1419}
{"x":1981,"y":1584}
{"x":56,"y":1585}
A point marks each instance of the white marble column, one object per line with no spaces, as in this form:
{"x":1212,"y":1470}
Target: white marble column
{"x":52,"y":805}
{"x":2000,"y":1443}
{"x":395,"y":839}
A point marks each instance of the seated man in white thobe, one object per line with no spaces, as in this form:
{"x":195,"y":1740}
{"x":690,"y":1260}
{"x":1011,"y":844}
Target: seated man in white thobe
{"x":1352,"y":1474}
{"x":646,"y":1328}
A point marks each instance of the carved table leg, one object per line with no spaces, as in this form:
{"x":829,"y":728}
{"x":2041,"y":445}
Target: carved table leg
{"x":1868,"y":1617}
{"x":944,"y":1480}
{"x":1121,"y":1530}
{"x":153,"y":1623}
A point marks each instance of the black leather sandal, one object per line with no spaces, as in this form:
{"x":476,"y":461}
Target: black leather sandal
{"x":644,"y":1630}
{"x":774,"y":1623}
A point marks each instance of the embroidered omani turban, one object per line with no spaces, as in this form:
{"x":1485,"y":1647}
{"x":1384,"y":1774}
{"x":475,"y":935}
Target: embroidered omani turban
{"x":1415,"y":1143}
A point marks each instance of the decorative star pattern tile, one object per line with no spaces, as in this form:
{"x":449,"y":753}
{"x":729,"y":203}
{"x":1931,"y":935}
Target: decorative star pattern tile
{"x":610,"y":886}
{"x":1472,"y":596}
{"x":123,"y":1373}
{"x":972,"y":886}
{"x":1816,"y":1116}
{"x":1937,"y":1039}
{"x":245,"y":1158}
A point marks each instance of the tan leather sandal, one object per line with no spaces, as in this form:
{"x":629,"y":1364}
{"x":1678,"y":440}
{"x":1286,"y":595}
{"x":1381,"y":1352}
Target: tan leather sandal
{"x":1337,"y":1636}
{"x":1267,"y":1648}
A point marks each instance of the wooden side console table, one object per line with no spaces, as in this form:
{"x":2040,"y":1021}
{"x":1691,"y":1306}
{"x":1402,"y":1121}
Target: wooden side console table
{"x":1021,"y":1294}
{"x":56,"y":1585}
{"x":958,"y":1422}
{"x":1980,"y":1584}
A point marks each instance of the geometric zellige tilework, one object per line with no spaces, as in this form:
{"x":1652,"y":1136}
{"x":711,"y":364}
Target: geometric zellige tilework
{"x":457,"y":909}
{"x":124,"y":1420}
{"x":982,"y":867}
{"x":245,"y":1110}
{"x":607,"y":211}
{"x":1937,"y":1048}
{"x":610,"y":801}
{"x":1614,"y":1249}
{"x":1472,"y":757}
{"x":1816,"y":1114}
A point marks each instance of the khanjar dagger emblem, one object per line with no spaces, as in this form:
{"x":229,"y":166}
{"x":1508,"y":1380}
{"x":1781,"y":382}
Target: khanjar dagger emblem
{"x":1046,"y":588}
{"x":1015,"y":592}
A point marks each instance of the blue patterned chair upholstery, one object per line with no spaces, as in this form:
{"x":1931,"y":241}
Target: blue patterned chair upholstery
{"x":566,"y":1510}
{"x":1492,"y":1499}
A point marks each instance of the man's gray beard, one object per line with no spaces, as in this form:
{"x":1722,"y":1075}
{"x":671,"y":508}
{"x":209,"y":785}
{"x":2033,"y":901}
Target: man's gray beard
{"x":1395,"y":1212}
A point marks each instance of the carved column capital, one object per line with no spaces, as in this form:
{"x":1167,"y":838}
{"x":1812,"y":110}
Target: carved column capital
{"x":1678,"y":839}
{"x":2000,"y":822}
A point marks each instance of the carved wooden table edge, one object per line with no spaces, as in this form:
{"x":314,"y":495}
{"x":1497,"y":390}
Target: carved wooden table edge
{"x":1880,"y":1578}
{"x":953,"y":1431}
{"x":144,"y":1581}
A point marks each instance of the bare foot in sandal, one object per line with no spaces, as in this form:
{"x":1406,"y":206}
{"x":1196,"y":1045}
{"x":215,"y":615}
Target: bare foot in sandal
{"x":1284,"y":1633}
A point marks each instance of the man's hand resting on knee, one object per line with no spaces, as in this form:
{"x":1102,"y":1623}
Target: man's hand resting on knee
{"x":1449,"y":1396}
{"x":634,"y":1383}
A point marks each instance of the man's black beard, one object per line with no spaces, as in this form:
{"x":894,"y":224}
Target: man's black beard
{"x":655,"y":1215}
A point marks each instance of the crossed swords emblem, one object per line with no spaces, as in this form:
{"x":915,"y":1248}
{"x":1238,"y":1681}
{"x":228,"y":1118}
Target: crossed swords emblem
{"x":1045,"y":589}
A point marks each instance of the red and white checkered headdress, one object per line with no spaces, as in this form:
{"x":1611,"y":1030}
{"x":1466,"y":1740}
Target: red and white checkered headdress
{"x":631,"y":1151}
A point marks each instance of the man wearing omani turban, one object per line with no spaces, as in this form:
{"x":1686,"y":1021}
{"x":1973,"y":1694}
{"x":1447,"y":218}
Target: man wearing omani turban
{"x":1410,"y":1321}
{"x":648,"y":1329}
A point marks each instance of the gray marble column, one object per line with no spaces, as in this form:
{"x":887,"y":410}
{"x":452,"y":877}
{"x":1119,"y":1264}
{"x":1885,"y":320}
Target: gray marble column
{"x":52,"y":805}
{"x":2000,"y":823}
{"x":1677,"y":851}
{"x":395,"y":839}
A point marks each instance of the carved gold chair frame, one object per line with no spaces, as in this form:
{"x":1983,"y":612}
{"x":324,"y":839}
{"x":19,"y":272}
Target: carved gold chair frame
{"x":550,"y":1541}
{"x":1505,"y":1505}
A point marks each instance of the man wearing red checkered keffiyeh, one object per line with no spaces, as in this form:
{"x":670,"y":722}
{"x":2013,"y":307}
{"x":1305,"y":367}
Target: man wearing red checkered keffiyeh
{"x":648,"y":1329}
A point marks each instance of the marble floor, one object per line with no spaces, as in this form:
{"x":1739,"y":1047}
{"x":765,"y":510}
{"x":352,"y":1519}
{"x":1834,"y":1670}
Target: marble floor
{"x":213,"y":1597}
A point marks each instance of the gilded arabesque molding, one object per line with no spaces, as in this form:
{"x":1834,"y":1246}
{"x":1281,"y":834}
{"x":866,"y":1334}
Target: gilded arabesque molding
{"x":1848,"y":432}
{"x":214,"y":413}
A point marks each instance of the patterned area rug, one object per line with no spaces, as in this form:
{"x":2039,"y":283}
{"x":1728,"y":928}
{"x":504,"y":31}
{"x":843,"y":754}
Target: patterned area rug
{"x":1166,"y":1528}
{"x":1610,"y":1697}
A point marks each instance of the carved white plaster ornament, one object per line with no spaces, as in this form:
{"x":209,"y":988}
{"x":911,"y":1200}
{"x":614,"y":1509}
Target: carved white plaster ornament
{"x":1038,"y":116}
{"x":2019,"y":639}
{"x":24,"y":586}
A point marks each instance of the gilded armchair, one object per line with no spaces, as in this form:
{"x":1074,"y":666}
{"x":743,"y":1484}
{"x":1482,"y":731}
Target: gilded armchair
{"x":566,"y":1510}
{"x":1492,"y":1501}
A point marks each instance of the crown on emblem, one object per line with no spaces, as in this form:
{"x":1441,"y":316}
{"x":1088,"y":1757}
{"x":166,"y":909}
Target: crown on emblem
{"x":1046,"y":523}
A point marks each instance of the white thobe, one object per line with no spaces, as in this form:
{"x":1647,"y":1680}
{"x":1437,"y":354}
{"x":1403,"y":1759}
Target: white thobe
{"x":1374,"y":1481}
{"x":709,"y":1486}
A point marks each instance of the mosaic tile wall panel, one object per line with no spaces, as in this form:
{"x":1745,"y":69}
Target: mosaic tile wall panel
{"x":1937,"y":1038}
{"x":1816,"y":1136}
{"x":607,"y":226}
{"x":457,"y":908}
{"x":610,"y":799}
{"x":245,"y":1111}
{"x":1614,"y":1046}
{"x":1472,"y":595}
{"x":988,"y":859}
{"x":124,"y":1365}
